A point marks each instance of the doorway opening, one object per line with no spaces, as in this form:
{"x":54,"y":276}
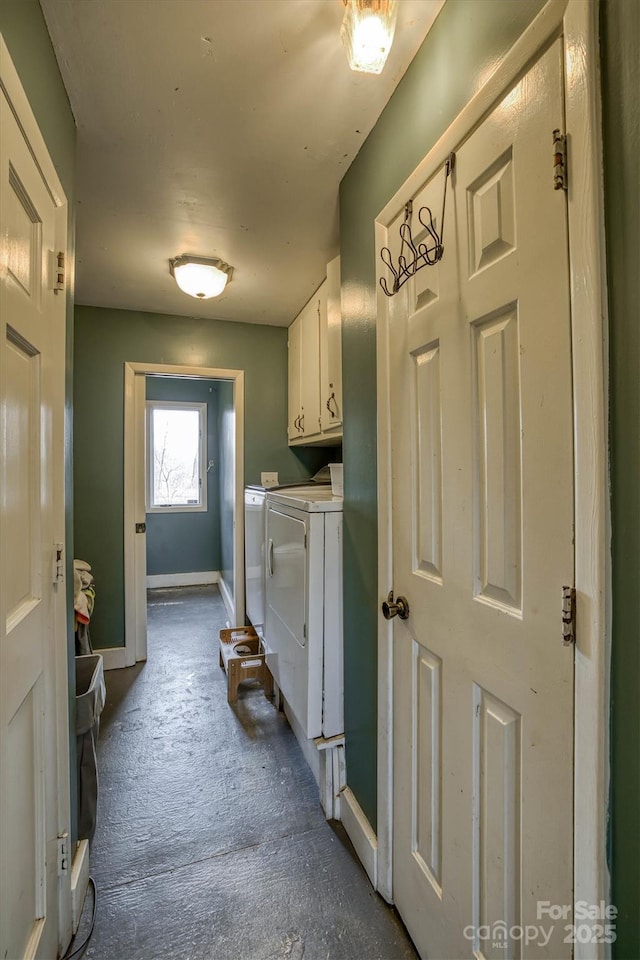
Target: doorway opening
{"x":183,"y":524}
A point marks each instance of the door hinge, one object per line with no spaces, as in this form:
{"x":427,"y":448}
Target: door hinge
{"x":141,"y":528}
{"x":560,"y":176}
{"x":57,"y":271}
{"x":304,"y":631}
{"x":63,"y":854}
{"x":58,"y":563}
{"x":568,"y":616}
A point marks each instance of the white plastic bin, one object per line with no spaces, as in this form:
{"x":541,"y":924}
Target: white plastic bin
{"x":337,"y":479}
{"x":90,"y":698}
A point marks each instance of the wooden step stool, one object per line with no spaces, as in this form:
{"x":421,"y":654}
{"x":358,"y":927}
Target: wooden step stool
{"x":242,"y":658}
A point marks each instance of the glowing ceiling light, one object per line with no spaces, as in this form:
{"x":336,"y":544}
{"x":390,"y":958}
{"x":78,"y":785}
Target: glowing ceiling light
{"x":367,"y":33}
{"x":200,"y":277}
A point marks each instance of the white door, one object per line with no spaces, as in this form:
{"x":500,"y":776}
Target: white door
{"x":33,"y":705}
{"x":481,"y":402}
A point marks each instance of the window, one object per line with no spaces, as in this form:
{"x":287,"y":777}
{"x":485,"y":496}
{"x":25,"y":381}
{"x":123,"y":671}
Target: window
{"x":176,"y":456}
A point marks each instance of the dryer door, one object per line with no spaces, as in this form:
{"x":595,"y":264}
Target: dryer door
{"x":286,"y":634}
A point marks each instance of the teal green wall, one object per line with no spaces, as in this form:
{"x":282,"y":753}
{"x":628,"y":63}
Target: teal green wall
{"x":226,"y":433}
{"x":104,"y":340}
{"x":188,"y":542}
{"x":467,"y":40}
{"x":25,"y":33}
{"x":620,"y":36}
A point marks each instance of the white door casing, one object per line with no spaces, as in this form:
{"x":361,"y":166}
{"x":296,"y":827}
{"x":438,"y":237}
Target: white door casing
{"x":34,"y":725}
{"x":578,"y":22}
{"x":139,"y":498}
{"x":135,"y":560}
{"x":481,"y":430}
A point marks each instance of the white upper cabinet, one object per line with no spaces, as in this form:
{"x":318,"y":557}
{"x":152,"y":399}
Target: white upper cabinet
{"x":304,"y":371}
{"x":331,"y":354}
{"x":309,"y":366}
{"x":315,"y":366}
{"x":295,"y":403}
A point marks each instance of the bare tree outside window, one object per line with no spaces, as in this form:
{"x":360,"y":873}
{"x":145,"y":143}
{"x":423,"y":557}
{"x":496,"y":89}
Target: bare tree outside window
{"x":175,"y":437}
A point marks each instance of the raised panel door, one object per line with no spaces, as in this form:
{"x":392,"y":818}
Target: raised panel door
{"x":481,"y":416}
{"x":32,"y":614}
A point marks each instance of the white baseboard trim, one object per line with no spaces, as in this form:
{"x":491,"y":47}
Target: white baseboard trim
{"x":114,"y":658}
{"x":360,"y":833}
{"x":197,"y":579}
{"x":227,"y":596}
{"x":308,"y":747}
{"x":79,"y":883}
{"x":332,"y":774}
{"x":325,"y":759}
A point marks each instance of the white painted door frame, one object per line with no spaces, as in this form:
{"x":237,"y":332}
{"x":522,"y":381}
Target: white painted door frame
{"x":135,"y":560}
{"x":57,"y":712}
{"x":577,"y":22}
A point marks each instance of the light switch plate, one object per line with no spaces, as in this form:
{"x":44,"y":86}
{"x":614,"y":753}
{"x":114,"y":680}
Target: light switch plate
{"x":269,"y":479}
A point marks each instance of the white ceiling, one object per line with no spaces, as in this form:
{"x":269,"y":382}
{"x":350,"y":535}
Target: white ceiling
{"x":217,"y":128}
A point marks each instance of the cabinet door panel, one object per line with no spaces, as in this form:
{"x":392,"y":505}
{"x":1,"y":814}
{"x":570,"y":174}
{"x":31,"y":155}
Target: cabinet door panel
{"x":331,"y":352}
{"x":310,"y":366}
{"x":295,"y":406}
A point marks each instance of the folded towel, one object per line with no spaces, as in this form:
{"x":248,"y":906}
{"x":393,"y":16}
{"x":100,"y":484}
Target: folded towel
{"x":83,"y":590}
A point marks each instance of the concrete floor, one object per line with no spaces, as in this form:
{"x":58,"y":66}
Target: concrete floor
{"x":211,"y":842}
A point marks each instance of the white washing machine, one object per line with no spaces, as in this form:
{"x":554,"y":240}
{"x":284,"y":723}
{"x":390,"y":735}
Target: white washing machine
{"x":254,"y":502}
{"x":303,"y":614}
{"x":254,"y":543}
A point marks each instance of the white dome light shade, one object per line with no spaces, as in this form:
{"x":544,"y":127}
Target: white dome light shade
{"x":367,"y":33}
{"x":200,"y":277}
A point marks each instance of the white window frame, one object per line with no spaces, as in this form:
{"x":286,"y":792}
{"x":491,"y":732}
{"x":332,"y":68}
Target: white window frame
{"x":201,"y":409}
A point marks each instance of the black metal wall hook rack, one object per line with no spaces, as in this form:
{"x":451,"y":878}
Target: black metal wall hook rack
{"x":425,"y":254}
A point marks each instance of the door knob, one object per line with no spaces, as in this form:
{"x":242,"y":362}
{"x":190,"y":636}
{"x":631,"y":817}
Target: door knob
{"x":395,"y":608}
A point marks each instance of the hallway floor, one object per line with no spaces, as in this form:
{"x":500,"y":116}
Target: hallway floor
{"x":211,"y":842}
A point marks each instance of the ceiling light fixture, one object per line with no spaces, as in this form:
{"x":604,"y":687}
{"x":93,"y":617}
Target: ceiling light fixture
{"x":200,"y":277}
{"x":367,"y":33}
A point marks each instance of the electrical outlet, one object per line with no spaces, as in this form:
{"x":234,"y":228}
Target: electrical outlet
{"x":269,"y":479}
